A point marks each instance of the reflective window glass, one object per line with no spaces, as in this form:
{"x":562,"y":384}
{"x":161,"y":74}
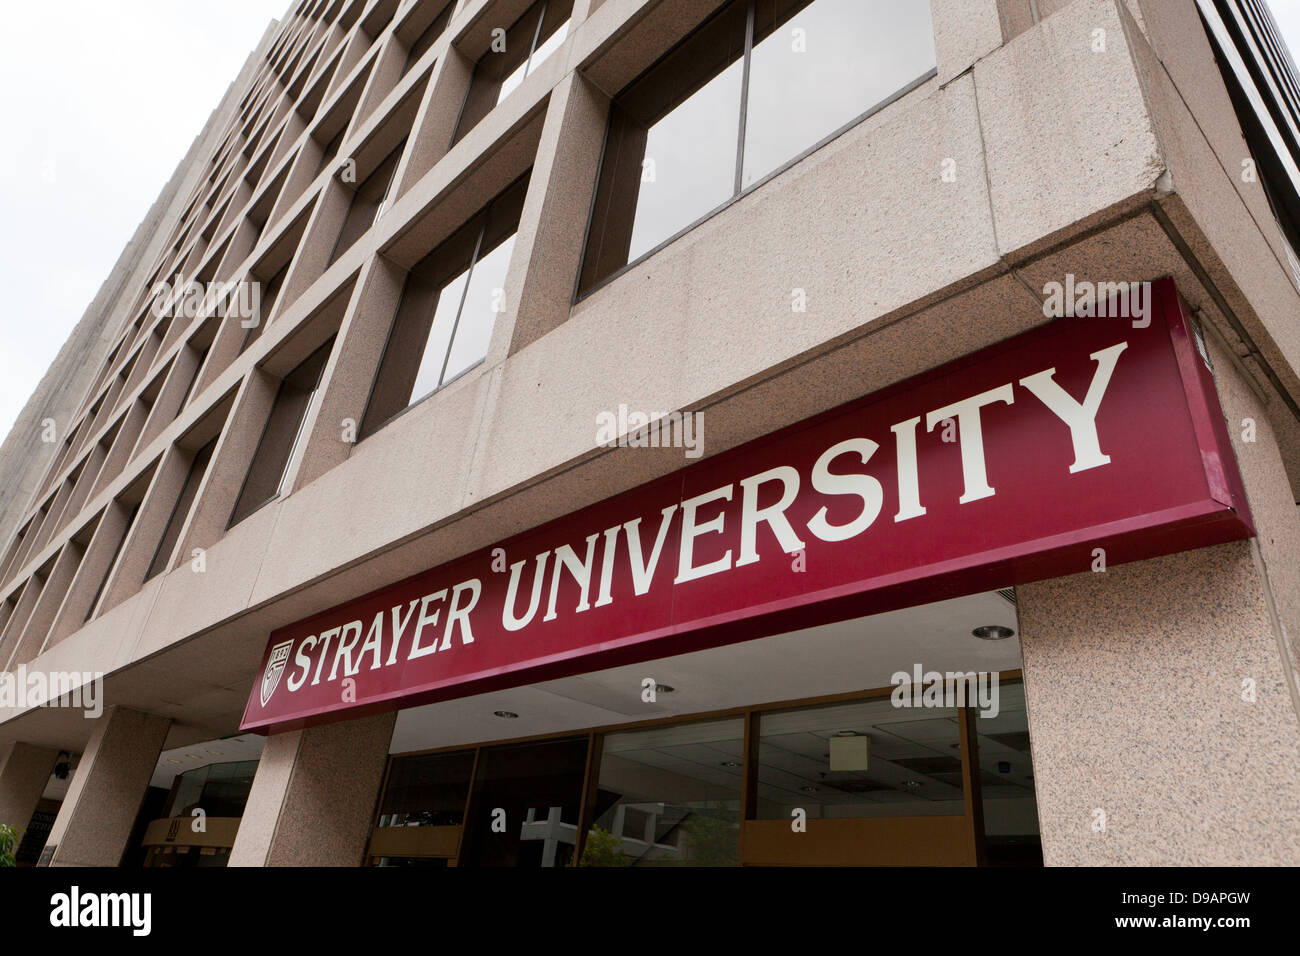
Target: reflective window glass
{"x":669,"y":796}
{"x":860,"y":759}
{"x":674,"y":151}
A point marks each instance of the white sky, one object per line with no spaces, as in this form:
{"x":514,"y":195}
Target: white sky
{"x":102,"y":101}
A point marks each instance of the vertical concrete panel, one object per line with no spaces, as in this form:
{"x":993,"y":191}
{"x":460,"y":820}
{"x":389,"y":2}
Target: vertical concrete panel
{"x":313,"y":799}
{"x":95,"y":821}
{"x":1139,"y":678}
{"x":24,"y":771}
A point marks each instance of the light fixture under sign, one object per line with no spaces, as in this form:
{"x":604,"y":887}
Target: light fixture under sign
{"x":507,"y":714}
{"x":992,"y":632}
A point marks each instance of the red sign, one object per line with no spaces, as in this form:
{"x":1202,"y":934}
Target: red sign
{"x":1010,"y":465}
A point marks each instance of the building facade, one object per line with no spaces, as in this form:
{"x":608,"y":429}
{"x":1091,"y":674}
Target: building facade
{"x":669,"y":432}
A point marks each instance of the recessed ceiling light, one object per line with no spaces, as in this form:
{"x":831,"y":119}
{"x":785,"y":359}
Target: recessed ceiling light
{"x":215,"y":753}
{"x":507,"y":714}
{"x":846,"y":733}
{"x":911,"y":784}
{"x":992,"y":632}
{"x":730,"y":763}
{"x":809,"y":789}
{"x":172,"y":760}
{"x":194,"y":756}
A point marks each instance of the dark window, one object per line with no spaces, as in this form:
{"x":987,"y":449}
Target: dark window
{"x":444,"y":322}
{"x":367,"y":203}
{"x":539,"y":788}
{"x":117,"y":552}
{"x":427,"y":790}
{"x":270,"y":292}
{"x":181,"y":511}
{"x":189,"y":389}
{"x":533,"y":37}
{"x":332,"y":148}
{"x":283,"y":431}
{"x":430,"y":36}
{"x":760,"y":83}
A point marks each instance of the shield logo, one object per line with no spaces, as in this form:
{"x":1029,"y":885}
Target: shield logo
{"x":274,"y":668}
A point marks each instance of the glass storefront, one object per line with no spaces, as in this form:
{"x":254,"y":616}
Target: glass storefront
{"x":201,"y":816}
{"x":861,"y":780}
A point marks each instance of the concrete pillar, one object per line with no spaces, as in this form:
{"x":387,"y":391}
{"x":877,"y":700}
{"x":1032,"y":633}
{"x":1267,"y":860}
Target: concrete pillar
{"x":95,"y":820}
{"x":24,"y":771}
{"x":1162,"y":694}
{"x":553,"y":225}
{"x":313,"y":799}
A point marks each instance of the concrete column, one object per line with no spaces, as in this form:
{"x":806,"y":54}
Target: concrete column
{"x":95,"y":820}
{"x":1162,"y":694}
{"x":553,"y":224}
{"x":313,"y":799}
{"x":24,"y":771}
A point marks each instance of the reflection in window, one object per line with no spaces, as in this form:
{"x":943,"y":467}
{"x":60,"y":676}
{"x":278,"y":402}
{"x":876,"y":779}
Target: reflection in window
{"x":861,"y":759}
{"x":427,"y":790}
{"x":1011,"y":835}
{"x":270,"y":467}
{"x":219,"y":790}
{"x":533,"y":37}
{"x":449,"y":303}
{"x":367,"y":203}
{"x":669,"y":796}
{"x":525,"y":805}
{"x":675,"y":150}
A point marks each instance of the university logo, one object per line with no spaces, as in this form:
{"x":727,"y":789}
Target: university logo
{"x":274,"y":668}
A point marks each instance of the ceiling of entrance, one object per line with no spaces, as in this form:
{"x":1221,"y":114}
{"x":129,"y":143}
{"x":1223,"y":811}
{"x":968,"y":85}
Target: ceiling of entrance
{"x":837,"y":658}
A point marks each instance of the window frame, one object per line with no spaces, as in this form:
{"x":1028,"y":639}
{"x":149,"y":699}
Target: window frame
{"x":483,"y":213}
{"x":741,"y":191}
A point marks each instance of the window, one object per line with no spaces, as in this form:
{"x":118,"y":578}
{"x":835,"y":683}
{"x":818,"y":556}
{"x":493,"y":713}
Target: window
{"x":860,"y":759}
{"x":759,"y":84}
{"x":331,"y":148}
{"x":181,"y":511}
{"x":270,"y":466}
{"x":117,"y":552}
{"x":427,"y":790}
{"x":670,"y":796}
{"x":367,"y":202}
{"x":539,"y":788}
{"x":430,"y":36}
{"x":534,"y":37}
{"x":270,"y":292}
{"x":444,"y":322}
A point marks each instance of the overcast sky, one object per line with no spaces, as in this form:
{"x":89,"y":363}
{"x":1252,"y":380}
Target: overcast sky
{"x":100,"y":101}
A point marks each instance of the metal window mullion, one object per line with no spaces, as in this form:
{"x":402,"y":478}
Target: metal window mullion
{"x":737,"y":183}
{"x":464,"y":293}
{"x":537,"y":33}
